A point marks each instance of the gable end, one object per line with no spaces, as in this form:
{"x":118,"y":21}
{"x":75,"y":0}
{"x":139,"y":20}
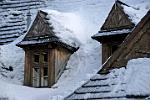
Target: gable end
{"x":117,"y":19}
{"x":40,"y":27}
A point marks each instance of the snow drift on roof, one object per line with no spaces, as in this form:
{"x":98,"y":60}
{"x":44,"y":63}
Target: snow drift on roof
{"x":107,"y":33}
{"x":60,"y":22}
{"x":137,"y":76}
{"x":136,"y":13}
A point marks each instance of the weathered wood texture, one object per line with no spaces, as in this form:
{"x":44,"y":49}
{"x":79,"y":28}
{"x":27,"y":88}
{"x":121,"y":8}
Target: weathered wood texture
{"x":45,"y":54}
{"x":110,"y":44}
{"x":40,"y":26}
{"x":57,"y":60}
{"x":117,"y":19}
{"x":30,"y":64}
{"x":27,"y":67}
{"x":105,"y":52}
{"x":61,"y":58}
{"x":136,"y":45}
{"x":51,"y":67}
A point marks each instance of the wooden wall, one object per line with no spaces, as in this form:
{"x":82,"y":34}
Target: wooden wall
{"x":27,"y":67}
{"x":140,"y":48}
{"x":57,"y":60}
{"x":105,"y":52}
{"x":117,"y":19}
{"x":110,"y":44}
{"x":51,"y":67}
{"x":61,"y":58}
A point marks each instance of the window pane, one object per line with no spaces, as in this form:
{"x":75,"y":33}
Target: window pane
{"x":45,"y":57}
{"x":36,"y":77}
{"x":45,"y":71}
{"x":36,"y":58}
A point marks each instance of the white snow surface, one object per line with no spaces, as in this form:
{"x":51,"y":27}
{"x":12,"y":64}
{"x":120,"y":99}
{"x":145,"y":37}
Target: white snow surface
{"x":87,"y":17}
{"x":124,"y":31}
{"x":137,"y":76}
{"x":67,"y":26}
{"x":136,"y":13}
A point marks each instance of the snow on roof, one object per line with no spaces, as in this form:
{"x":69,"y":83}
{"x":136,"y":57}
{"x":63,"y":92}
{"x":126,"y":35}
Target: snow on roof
{"x":137,"y":76}
{"x":60,"y":21}
{"x":135,"y":13}
{"x":102,"y":87}
{"x":119,"y":83}
{"x":107,"y":33}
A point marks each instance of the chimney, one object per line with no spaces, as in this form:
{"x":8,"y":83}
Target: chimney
{"x":28,"y":19}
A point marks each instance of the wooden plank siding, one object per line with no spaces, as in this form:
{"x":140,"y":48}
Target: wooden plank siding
{"x":117,"y":19}
{"x":57,"y":60}
{"x":40,"y":42}
{"x":61,"y":58}
{"x":51,"y":67}
{"x":28,"y":67}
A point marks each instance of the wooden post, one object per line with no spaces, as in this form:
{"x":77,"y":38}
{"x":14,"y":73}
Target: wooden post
{"x":27,"y":68}
{"x":51,"y":67}
{"x":106,"y":52}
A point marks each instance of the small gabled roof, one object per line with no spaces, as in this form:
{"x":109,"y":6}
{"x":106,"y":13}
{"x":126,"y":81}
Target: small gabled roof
{"x":121,"y":17}
{"x":46,"y":29}
{"x":117,"y":18}
{"x":130,"y":46}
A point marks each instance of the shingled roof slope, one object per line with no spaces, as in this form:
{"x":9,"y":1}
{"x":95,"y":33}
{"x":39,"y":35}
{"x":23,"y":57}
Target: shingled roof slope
{"x":98,"y":87}
{"x":13,"y":18}
{"x":104,"y":87}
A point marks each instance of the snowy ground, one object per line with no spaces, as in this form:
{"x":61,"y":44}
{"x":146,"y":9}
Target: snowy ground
{"x":82,"y":64}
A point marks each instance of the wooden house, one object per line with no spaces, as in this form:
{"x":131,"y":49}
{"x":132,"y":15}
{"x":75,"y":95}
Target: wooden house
{"x":46,"y":54}
{"x":114,"y":30}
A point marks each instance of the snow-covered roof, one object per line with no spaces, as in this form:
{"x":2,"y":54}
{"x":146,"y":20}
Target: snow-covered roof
{"x":107,"y":33}
{"x":13,"y":18}
{"x":101,"y":87}
{"x":118,"y":84}
{"x":135,"y":14}
{"x":59,"y":34}
{"x":59,"y":21}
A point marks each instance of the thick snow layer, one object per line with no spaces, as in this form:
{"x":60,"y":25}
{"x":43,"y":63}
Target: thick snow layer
{"x":12,"y":56}
{"x":137,"y":13}
{"x":66,"y":26}
{"x":137,"y":76}
{"x":124,"y":31}
{"x":81,"y":66}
